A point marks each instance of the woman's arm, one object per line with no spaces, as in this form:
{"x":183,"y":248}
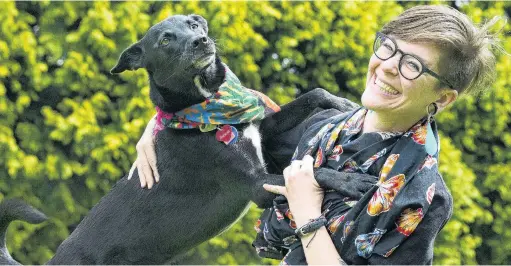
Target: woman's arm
{"x":305,"y":197}
{"x":319,"y":249}
{"x":417,"y":249}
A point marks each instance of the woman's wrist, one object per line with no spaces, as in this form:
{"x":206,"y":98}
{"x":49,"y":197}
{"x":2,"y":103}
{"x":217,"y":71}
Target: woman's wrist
{"x":308,"y":237}
{"x":302,"y":220}
{"x":319,"y":248}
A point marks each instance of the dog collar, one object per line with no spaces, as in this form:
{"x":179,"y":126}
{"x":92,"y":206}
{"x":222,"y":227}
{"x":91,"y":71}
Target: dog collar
{"x":232,"y":104}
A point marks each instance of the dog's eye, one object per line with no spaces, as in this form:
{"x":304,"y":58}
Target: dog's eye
{"x":165,"y":41}
{"x":194,"y":26}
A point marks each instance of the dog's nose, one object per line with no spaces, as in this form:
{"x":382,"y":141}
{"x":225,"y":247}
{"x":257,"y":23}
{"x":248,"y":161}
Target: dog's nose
{"x":200,"y":42}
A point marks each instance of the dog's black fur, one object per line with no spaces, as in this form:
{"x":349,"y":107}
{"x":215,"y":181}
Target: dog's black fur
{"x":205,"y":185}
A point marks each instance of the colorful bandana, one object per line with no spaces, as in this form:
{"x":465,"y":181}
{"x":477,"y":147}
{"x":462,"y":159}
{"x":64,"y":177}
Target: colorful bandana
{"x":232,"y":104}
{"x":385,"y":216}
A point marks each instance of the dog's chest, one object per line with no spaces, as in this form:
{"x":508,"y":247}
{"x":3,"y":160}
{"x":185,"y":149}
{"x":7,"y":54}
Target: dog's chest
{"x":252,"y":133}
{"x":191,"y":152}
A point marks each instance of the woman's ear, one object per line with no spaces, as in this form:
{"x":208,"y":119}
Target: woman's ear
{"x":448,"y":96}
{"x":130,"y":59}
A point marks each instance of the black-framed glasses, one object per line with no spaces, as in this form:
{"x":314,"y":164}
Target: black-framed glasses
{"x":410,"y":66}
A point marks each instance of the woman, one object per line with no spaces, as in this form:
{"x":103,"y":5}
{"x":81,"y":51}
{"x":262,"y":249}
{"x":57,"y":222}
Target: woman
{"x":422,"y":61}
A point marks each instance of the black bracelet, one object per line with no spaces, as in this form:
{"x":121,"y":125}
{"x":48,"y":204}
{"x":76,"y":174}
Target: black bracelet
{"x":312,"y":226}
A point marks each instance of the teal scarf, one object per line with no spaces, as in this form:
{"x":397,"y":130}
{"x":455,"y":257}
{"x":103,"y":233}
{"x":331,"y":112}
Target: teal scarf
{"x":232,"y":104}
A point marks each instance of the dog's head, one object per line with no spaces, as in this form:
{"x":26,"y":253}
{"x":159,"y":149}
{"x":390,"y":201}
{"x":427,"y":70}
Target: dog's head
{"x":178,"y":47}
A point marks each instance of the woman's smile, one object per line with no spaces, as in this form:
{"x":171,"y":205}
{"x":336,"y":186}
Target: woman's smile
{"x":380,"y":87}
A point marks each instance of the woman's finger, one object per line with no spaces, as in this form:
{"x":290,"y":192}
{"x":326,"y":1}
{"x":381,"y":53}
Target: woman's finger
{"x":142,"y":166}
{"x":286,"y":172}
{"x":150,"y":153}
{"x":132,"y":170}
{"x":275,"y":189}
{"x":307,"y":163}
{"x":296,"y":165}
{"x":148,"y":173}
{"x":141,"y":175}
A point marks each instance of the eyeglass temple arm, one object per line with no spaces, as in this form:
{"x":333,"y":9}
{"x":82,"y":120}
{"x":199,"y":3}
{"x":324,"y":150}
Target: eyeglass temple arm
{"x":439,"y":78}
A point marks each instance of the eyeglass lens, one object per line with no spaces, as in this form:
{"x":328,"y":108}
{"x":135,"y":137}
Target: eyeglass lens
{"x":409,"y":66}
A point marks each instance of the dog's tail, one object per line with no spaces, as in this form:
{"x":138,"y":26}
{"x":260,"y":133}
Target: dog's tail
{"x":11,"y":210}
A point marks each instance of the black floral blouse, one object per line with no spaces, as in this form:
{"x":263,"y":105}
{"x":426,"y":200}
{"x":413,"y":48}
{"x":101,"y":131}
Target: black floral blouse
{"x":395,"y":222}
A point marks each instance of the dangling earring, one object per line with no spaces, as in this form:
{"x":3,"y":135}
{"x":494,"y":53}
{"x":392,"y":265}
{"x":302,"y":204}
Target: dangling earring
{"x":431,"y":144}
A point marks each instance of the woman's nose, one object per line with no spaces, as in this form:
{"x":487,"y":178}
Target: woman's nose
{"x":391,"y":65}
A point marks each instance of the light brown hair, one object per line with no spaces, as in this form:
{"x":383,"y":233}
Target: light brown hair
{"x":467,"y":59}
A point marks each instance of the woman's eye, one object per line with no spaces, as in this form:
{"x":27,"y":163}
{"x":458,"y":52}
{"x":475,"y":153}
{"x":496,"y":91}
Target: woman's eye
{"x":194,"y":26}
{"x":164,"y":41}
{"x":413,"y":66}
{"x":388,"y":47}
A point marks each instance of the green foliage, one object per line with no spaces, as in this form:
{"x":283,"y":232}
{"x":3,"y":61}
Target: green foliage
{"x":480,"y":128}
{"x":68,"y":128}
{"x":469,"y":207}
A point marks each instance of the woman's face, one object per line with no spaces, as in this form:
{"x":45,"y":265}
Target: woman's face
{"x":388,"y":92}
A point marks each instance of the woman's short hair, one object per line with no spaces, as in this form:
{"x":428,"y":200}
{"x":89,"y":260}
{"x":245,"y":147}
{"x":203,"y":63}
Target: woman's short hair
{"x":467,"y":59}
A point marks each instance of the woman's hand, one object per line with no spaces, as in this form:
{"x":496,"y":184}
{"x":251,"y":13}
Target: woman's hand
{"x":146,"y":158}
{"x":305,"y":198}
{"x":303,"y":193}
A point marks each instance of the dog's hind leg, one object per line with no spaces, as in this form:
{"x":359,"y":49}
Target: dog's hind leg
{"x":11,"y":210}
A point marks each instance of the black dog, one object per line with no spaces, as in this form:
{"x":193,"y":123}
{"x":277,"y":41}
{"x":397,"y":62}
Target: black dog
{"x":205,"y":185}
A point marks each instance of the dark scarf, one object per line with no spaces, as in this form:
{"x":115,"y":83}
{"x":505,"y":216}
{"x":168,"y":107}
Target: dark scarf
{"x":385,"y":216}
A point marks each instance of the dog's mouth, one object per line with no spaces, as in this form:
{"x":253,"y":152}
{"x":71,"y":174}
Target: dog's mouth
{"x":204,"y":60}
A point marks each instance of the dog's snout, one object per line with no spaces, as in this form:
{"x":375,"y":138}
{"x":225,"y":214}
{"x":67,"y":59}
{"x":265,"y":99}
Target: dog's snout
{"x":200,"y":42}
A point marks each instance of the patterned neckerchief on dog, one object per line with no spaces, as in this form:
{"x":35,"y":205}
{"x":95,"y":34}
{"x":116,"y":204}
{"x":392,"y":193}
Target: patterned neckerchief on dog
{"x":232,"y":104}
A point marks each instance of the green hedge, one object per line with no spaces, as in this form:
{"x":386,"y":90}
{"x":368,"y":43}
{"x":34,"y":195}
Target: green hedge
{"x":68,"y":128}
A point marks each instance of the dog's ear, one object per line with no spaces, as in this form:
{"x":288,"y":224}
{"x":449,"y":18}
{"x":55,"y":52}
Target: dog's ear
{"x":130,"y":59}
{"x":202,"y":21}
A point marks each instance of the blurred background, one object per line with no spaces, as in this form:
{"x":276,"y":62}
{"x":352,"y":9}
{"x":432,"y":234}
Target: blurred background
{"x":68,"y":128}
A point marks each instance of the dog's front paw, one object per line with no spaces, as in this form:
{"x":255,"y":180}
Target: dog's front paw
{"x":263,"y":199}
